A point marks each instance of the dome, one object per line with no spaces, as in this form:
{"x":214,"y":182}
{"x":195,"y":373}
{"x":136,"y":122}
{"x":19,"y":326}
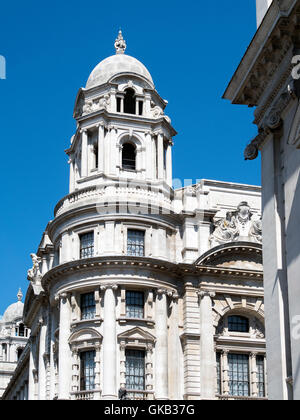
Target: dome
{"x":117,"y":65}
{"x":14,"y":311}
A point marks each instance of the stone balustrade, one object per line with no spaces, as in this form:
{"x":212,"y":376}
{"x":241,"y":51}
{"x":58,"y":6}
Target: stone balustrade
{"x":114,"y":193}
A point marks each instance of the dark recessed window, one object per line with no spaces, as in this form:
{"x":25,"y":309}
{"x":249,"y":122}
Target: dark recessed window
{"x":87,"y":371}
{"x":88,"y":306}
{"x":135,"y":243}
{"x":87,"y":245}
{"x":135,"y":370}
{"x":135,"y":304}
{"x":129,"y":102}
{"x":238,"y":324}
{"x":129,"y":157}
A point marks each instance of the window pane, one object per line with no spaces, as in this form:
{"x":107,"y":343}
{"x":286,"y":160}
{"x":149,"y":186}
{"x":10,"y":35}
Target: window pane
{"x":87,"y":375}
{"x":88,"y":306}
{"x":135,"y":304}
{"x":135,"y":370}
{"x":87,"y":245}
{"x":260,"y":362}
{"x":136,"y":243}
{"x":238,"y":324}
{"x":239,"y":375}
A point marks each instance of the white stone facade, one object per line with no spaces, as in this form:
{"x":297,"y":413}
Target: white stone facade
{"x":137,"y":286}
{"x":268,"y":78}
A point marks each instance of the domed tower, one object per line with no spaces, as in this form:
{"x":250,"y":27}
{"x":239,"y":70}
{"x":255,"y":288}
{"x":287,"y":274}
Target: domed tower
{"x":122,"y":132}
{"x":13,"y":339}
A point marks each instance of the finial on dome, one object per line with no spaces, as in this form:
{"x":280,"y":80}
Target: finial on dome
{"x":120,"y":44}
{"x":20,"y":295}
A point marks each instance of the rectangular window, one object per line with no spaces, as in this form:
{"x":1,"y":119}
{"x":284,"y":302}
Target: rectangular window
{"x":238,"y":324}
{"x":87,"y":371}
{"x":260,"y":363}
{"x":135,"y":243}
{"x":219,"y":386}
{"x":87,"y":245}
{"x":135,"y":305}
{"x":239,"y":375}
{"x":135,"y":370}
{"x":88,"y":306}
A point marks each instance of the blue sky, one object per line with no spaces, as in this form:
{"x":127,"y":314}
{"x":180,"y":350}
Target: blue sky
{"x":191,"y":49}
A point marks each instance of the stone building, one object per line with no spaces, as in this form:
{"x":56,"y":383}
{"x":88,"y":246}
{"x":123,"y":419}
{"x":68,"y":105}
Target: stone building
{"x":13,"y":339}
{"x":268,"y":79}
{"x":138,"y":290}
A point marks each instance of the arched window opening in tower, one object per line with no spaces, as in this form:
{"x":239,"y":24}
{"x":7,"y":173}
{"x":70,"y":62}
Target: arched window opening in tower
{"x":129,"y":157}
{"x":130,"y":102}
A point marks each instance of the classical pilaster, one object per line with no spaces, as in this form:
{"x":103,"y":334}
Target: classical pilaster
{"x":64,"y":357}
{"x":161,"y":349}
{"x":207,"y":352}
{"x":225,"y":372}
{"x":97,"y":394}
{"x":253,"y":375}
{"x":109,"y":343}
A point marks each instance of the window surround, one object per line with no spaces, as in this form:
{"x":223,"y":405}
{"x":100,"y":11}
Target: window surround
{"x":142,"y":228}
{"x":145,"y":342}
{"x":224,"y":371}
{"x":79,"y":342}
{"x":148,"y":305}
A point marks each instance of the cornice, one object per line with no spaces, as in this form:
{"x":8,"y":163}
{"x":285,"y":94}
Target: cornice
{"x":155,"y":265}
{"x":274,"y":38}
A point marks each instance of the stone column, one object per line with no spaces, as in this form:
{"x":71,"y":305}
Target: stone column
{"x":42,"y":367}
{"x":253,"y":375}
{"x":64,"y":354}
{"x":84,"y":153}
{"x":161,"y":349}
{"x":32,"y":370}
{"x":72,"y":174}
{"x":207,"y":352}
{"x":160,"y":156}
{"x":109,"y":344}
{"x":101,"y":148}
{"x":174,"y":340}
{"x":52,"y":356}
{"x":169,"y":164}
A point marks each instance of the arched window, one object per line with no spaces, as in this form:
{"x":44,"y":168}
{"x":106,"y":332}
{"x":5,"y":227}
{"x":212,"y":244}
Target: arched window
{"x":129,"y":102}
{"x":129,"y":157}
{"x":238,"y":324}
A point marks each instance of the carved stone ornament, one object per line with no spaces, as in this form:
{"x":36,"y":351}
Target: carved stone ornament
{"x":120,"y":44}
{"x":34,"y":274}
{"x":240,"y":225}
